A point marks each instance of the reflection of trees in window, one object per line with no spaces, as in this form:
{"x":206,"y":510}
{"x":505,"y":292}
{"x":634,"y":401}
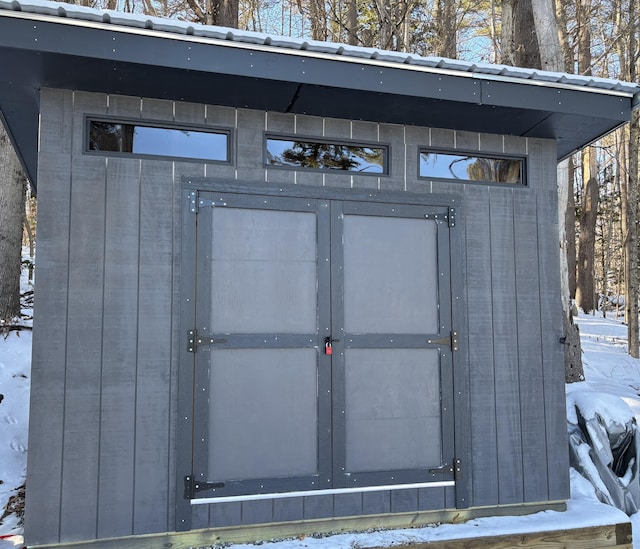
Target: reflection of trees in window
{"x":500,"y":170}
{"x":107,"y":136}
{"x":327,"y":156}
{"x":471,"y":168}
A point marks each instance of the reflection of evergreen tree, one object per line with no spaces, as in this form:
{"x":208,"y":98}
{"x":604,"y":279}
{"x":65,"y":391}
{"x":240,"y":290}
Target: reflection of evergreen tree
{"x":330,"y":156}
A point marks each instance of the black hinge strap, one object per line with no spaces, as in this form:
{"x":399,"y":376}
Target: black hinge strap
{"x":194,"y":341}
{"x":192,"y":486}
{"x":455,"y":468}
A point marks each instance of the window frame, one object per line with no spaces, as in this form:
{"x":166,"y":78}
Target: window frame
{"x":149,"y":123}
{"x":386,"y":148}
{"x":523,"y":159}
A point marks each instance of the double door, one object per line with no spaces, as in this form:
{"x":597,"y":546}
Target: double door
{"x":323,"y":351}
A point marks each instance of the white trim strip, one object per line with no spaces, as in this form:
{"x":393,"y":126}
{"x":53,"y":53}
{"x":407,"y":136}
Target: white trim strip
{"x":334,"y":491}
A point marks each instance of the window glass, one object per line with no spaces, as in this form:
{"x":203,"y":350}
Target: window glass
{"x":158,"y":141}
{"x":326,"y":156}
{"x":469,"y":167}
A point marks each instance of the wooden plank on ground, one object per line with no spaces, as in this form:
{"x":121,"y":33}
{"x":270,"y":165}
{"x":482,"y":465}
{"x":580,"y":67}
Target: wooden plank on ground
{"x":597,"y":537}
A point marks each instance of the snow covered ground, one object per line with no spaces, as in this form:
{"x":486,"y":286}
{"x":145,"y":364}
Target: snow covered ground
{"x":611,"y":388}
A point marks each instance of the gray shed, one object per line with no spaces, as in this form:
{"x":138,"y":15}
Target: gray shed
{"x":284,"y":282}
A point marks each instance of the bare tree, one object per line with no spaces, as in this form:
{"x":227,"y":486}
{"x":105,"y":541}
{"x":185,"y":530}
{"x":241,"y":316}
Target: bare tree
{"x":215,"y":12}
{"x":530,"y":38}
{"x":585,"y":288}
{"x":445,"y":23}
{"x":12,"y":196}
{"x":519,"y":39}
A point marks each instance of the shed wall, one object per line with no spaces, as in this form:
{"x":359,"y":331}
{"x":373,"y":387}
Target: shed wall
{"x":102,"y":460}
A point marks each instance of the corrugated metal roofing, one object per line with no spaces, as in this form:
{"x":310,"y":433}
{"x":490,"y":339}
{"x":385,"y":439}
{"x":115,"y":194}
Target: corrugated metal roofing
{"x":310,"y":47}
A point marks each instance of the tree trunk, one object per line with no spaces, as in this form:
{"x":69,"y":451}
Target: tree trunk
{"x":585,"y":291}
{"x":573,"y":370}
{"x":352,"y":22}
{"x":570,"y":231}
{"x":385,"y":26}
{"x":632,"y":241}
{"x":318,"y":16}
{"x":12,"y":195}
{"x":520,"y":44}
{"x":546,"y":30}
{"x":550,"y":56}
{"x":445,"y":19}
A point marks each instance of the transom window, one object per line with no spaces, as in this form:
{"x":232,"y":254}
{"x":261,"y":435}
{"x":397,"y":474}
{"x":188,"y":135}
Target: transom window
{"x":149,"y":140}
{"x":326,"y":155}
{"x":471,"y":167}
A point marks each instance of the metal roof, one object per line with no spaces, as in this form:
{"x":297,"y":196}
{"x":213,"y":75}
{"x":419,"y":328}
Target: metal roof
{"x":52,"y":44}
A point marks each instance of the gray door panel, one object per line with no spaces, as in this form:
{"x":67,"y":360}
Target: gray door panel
{"x":393,"y":377}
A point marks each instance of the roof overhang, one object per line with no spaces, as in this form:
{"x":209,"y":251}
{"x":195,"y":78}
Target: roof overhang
{"x":40,"y":50}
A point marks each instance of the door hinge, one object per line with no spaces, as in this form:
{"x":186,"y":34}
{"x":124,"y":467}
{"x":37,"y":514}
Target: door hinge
{"x":454,"y":468}
{"x":195,"y":202}
{"x":192,"y":486}
{"x":451,"y":341}
{"x":452,"y":217}
{"x":194,"y":341}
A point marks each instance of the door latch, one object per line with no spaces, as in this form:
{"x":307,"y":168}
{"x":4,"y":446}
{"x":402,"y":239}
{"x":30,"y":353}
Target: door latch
{"x":328,"y":345}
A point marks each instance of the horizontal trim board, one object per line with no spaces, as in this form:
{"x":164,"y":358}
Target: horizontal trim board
{"x":328,"y":492}
{"x":248,"y":534}
{"x":350,"y":194}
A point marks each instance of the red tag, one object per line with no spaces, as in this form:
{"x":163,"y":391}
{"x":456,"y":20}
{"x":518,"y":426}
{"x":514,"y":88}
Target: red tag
{"x":328,"y":349}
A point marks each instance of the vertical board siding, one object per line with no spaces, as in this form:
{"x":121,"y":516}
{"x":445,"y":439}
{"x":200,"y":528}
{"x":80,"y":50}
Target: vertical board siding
{"x":393,"y":134}
{"x":534,"y":443}
{"x":119,"y":350}
{"x":480,"y":350}
{"x":431,"y":499}
{"x":288,"y":509}
{"x":225,"y":514}
{"x":404,"y":501}
{"x":154,"y":332}
{"x":42,"y":520}
{"x":505,"y":346}
{"x":106,"y":360}
{"x":552,"y":351}
{"x":155,"y":341}
{"x":81,"y":439}
{"x":376,"y":503}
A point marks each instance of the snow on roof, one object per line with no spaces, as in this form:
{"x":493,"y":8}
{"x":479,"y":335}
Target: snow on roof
{"x":175,"y":27}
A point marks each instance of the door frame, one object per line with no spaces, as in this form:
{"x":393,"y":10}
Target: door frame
{"x":186,"y":290}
